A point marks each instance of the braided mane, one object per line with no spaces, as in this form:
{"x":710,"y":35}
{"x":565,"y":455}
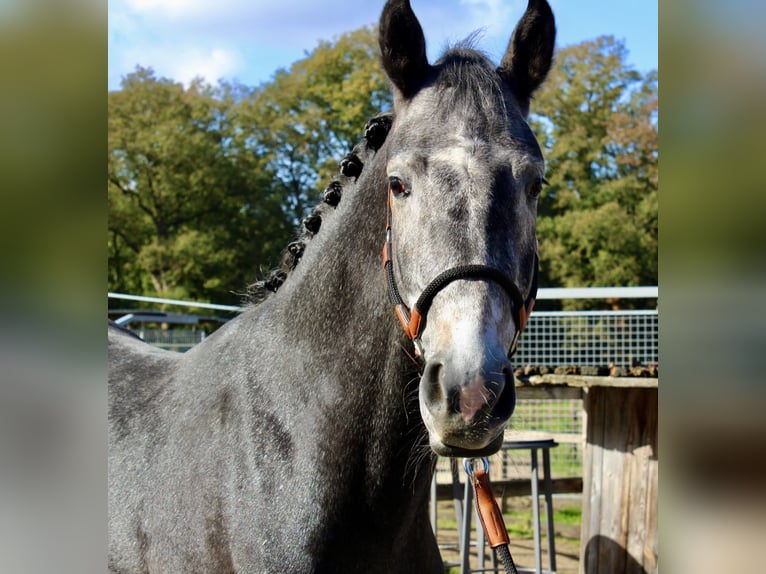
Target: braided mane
{"x":350,"y":168}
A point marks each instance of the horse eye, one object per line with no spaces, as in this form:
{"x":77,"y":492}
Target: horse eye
{"x":536,"y":187}
{"x":396,"y":186}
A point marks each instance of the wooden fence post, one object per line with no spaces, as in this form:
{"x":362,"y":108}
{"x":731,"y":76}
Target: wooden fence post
{"x":619,"y":521}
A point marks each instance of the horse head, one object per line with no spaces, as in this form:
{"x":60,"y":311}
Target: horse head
{"x":463,"y":173}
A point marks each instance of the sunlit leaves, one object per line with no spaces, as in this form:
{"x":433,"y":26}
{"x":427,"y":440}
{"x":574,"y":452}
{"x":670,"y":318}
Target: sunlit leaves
{"x":191,"y":209}
{"x":597,"y":121}
{"x":311,"y":115}
{"x":207,"y":184}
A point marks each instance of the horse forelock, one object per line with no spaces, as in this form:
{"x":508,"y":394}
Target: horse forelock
{"x":467,"y":82}
{"x":465,"y":66}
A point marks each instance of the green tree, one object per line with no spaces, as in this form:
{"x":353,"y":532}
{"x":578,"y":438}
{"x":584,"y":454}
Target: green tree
{"x":191,"y":213}
{"x":206,"y":185}
{"x":597,"y":120}
{"x":309,"y":116}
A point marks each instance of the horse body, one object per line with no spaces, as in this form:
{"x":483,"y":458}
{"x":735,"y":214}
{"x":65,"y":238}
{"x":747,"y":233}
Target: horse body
{"x":296,"y":437}
{"x":253,"y":476}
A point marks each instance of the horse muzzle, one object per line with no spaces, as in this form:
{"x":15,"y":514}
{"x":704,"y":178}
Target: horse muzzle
{"x":464,"y":408}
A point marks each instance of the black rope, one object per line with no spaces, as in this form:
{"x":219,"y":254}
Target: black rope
{"x":393,"y":291}
{"x":505,"y":557}
{"x":426,"y":298}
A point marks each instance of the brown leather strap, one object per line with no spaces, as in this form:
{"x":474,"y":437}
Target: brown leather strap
{"x":489,"y":512}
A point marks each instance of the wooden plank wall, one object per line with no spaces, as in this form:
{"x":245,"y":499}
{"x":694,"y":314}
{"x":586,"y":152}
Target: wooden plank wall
{"x":619,"y":522}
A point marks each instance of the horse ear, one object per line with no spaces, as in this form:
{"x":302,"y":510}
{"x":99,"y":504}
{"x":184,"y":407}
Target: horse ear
{"x":402,"y":47}
{"x":530,"y":52}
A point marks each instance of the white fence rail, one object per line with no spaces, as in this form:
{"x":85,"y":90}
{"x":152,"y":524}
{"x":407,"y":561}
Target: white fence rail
{"x":179,"y":302}
{"x":598,"y":293}
{"x":549,"y":293}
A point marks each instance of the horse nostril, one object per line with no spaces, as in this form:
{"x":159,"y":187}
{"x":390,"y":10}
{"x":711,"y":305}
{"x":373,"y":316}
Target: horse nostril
{"x":506,"y":401}
{"x":433,"y":370}
{"x":432,"y":376}
{"x":453,"y":400}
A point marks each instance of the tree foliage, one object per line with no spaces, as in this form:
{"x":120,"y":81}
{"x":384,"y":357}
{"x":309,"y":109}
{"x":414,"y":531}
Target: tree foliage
{"x":309,"y":116}
{"x":206,"y":184}
{"x":189,"y":213}
{"x":598,"y":218}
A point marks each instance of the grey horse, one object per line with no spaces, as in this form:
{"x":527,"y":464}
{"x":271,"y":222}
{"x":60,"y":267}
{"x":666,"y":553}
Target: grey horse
{"x":300,"y":436}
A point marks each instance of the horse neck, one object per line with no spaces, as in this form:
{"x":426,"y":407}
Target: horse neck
{"x":338,"y":308}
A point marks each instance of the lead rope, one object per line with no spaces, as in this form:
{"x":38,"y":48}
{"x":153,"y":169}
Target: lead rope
{"x":489,"y":512}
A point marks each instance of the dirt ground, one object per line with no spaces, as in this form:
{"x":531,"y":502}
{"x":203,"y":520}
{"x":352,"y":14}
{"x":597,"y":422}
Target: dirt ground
{"x":517,"y":515}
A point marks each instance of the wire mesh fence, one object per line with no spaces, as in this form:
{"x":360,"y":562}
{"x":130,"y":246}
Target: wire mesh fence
{"x":562,"y":418}
{"x":590,"y":338}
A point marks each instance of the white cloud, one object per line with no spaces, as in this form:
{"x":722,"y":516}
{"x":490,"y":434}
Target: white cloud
{"x":497,"y":19}
{"x":173,"y":9}
{"x":182,"y":63}
{"x":256,"y":15}
{"x":450,"y":21}
{"x":250,"y":39}
{"x":496,"y":16}
{"x":165,"y":36}
{"x":184,"y":38}
{"x":212,"y":66}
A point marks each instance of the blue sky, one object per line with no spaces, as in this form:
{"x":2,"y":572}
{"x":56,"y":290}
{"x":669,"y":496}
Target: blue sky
{"x":248,"y":40}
